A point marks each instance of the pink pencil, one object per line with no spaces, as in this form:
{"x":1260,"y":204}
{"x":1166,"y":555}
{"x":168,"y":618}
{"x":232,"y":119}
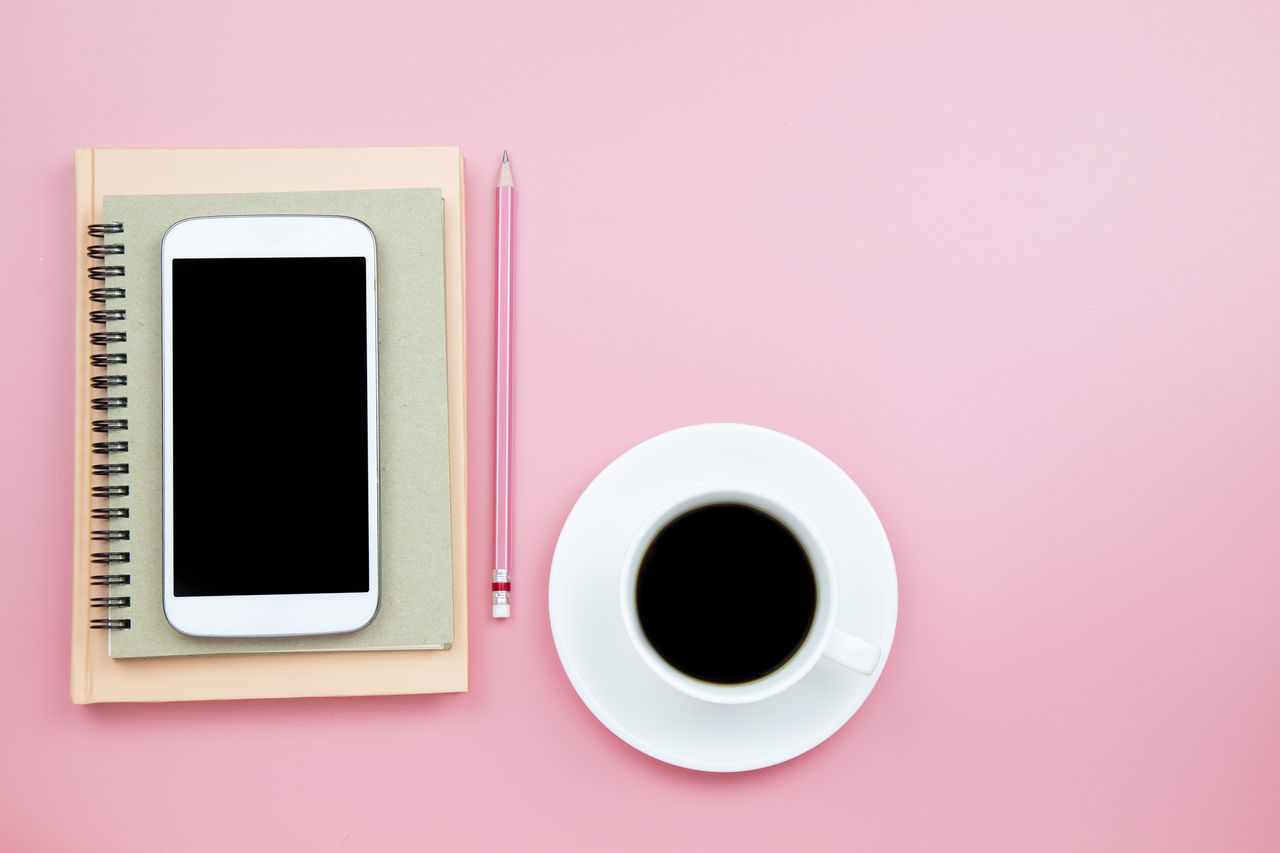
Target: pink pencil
{"x":502,"y":405}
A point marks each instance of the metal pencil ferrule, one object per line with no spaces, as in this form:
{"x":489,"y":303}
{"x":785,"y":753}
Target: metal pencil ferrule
{"x":501,"y":586}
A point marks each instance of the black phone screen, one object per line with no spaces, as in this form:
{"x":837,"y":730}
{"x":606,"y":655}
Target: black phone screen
{"x":270,"y":437}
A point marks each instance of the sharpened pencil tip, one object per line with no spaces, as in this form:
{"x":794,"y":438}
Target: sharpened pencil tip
{"x":504,"y":156}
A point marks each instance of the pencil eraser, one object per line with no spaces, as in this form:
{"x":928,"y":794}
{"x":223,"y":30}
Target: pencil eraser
{"x":501,"y":611}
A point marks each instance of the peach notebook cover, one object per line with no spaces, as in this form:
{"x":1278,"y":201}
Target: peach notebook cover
{"x":95,"y":676}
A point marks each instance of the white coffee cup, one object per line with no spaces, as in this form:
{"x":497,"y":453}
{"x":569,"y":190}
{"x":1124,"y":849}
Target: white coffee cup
{"x":823,"y":640}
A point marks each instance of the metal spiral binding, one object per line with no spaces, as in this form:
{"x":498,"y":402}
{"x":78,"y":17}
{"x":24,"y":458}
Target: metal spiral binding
{"x":111,"y":447}
{"x":112,"y":380}
{"x":110,"y":425}
{"x":109,"y":601}
{"x":106,"y":359}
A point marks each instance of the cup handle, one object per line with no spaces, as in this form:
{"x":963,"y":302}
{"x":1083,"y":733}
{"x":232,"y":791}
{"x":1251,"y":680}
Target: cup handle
{"x":853,"y":652}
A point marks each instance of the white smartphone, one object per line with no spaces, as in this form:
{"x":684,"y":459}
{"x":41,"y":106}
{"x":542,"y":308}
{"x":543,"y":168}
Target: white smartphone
{"x":270,"y":399}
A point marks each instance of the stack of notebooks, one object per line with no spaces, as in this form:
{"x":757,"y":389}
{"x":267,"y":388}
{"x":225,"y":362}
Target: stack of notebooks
{"x":122,"y":647}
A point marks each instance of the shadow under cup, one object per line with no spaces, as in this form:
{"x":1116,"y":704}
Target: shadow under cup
{"x":725,"y":593}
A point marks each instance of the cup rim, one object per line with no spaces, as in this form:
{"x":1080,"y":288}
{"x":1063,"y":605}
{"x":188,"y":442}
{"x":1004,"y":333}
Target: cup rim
{"x":824,"y":617}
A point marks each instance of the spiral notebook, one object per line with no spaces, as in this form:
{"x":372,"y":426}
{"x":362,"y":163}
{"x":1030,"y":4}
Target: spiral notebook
{"x":420,"y":253}
{"x":416,"y":607}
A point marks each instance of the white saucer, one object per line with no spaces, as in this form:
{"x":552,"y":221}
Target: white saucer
{"x":605,"y":668}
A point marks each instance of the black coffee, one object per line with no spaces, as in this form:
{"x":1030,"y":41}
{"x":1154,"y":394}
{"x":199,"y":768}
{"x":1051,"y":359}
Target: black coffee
{"x":725,"y":593}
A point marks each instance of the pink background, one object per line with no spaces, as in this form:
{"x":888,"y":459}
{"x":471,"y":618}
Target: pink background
{"x":1013,"y":266}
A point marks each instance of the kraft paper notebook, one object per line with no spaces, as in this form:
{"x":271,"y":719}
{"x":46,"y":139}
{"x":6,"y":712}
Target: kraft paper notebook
{"x":416,"y":607}
{"x":423,"y":466}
